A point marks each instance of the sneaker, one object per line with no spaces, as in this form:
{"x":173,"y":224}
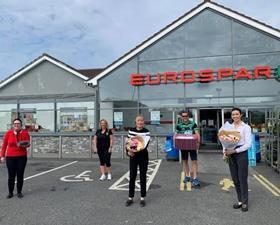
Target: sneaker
{"x":19,"y":195}
{"x":103,"y":177}
{"x":142,"y":203}
{"x":129,"y":202}
{"x":109,"y":176}
{"x":187,"y":179}
{"x":196,"y":182}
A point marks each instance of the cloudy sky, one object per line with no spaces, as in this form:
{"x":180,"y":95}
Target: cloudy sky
{"x":93,"y":33}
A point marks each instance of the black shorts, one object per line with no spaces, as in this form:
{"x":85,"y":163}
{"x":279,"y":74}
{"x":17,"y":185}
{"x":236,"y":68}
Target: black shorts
{"x":185,"y":154}
{"x":104,"y":158}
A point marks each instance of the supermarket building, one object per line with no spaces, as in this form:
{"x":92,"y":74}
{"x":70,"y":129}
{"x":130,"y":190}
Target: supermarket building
{"x":208,"y":60}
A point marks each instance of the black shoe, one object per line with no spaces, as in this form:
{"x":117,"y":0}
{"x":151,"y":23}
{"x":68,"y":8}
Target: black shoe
{"x":10,"y":195}
{"x":237,"y":205}
{"x":142,"y":203}
{"x":244,"y":208}
{"x":20,"y":195}
{"x":129,"y":202}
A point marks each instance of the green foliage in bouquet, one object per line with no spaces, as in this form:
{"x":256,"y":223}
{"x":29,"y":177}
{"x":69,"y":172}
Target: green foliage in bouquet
{"x":227,"y":159}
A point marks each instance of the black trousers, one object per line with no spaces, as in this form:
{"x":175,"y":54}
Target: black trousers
{"x":140,"y":159}
{"x":16,"y":166}
{"x":238,"y":166}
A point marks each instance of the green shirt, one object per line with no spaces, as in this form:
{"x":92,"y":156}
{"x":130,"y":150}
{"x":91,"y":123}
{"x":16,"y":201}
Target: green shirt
{"x":186,"y":128}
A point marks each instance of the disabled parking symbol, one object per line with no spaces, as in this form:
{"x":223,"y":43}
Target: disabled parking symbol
{"x":84,"y":176}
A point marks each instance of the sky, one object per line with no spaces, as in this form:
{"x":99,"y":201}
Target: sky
{"x":93,"y":33}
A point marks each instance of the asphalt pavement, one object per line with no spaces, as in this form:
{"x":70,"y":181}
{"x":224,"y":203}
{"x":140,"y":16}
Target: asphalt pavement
{"x":69,"y":192}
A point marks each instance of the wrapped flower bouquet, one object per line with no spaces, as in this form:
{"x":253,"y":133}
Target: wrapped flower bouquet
{"x":228,"y":136}
{"x":137,"y":143}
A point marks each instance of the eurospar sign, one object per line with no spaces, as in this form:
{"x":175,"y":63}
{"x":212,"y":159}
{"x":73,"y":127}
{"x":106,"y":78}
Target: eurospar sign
{"x":207,"y":75}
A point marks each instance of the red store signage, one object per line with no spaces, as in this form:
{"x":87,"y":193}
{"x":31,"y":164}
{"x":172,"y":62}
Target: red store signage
{"x":207,"y":75}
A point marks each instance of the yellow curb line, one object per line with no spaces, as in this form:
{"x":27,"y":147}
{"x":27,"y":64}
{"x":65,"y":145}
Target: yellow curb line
{"x":182,"y":184}
{"x":266,"y":186}
{"x":189,"y":186}
{"x":270,"y":184}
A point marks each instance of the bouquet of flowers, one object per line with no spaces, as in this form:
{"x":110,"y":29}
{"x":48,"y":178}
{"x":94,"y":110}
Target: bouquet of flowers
{"x":228,"y":136}
{"x":227,"y":159}
{"x":136,"y":143}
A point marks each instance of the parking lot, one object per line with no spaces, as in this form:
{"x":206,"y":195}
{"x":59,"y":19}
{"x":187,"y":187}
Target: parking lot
{"x":69,"y":192}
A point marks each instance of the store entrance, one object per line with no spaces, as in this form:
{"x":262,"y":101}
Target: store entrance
{"x":210,"y":121}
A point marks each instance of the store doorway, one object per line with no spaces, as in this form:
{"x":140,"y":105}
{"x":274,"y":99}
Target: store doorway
{"x":210,"y":121}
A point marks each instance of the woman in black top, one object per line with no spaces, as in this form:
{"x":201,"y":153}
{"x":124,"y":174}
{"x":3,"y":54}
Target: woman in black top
{"x":103,"y":142}
{"x":140,"y":159}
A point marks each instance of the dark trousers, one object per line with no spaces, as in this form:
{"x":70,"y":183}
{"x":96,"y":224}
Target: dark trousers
{"x":104,"y":157}
{"x":238,"y":166}
{"x":140,"y":159}
{"x":16,"y":167}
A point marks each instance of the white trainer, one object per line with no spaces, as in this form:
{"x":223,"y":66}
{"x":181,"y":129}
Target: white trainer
{"x":103,"y":177}
{"x":109,"y":176}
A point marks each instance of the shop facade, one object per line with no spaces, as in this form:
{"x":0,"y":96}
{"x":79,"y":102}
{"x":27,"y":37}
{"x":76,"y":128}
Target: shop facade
{"x":52,"y":99}
{"x":207,"y":61}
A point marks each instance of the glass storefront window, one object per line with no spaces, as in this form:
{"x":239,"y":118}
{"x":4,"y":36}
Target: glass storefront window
{"x":128,"y":116}
{"x":226,"y":116}
{"x":119,"y":114}
{"x":205,"y":94}
{"x":37,"y":117}
{"x":5,"y":121}
{"x":158,"y":120}
{"x":7,"y":114}
{"x":164,"y":103}
{"x":257,"y":120}
{"x":75,"y":116}
{"x":119,"y":119}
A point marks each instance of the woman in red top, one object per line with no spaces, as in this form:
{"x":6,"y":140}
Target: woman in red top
{"x":14,"y":150}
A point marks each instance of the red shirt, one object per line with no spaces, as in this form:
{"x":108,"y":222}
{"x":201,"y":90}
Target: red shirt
{"x":9,"y":145}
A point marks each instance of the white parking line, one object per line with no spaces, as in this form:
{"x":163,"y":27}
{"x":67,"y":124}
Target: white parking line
{"x":48,"y":171}
{"x":123,"y":183}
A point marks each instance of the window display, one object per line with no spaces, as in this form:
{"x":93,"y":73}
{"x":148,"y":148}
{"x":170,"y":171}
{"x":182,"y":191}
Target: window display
{"x":73,"y":119}
{"x":37,"y":117}
{"x":75,"y":116}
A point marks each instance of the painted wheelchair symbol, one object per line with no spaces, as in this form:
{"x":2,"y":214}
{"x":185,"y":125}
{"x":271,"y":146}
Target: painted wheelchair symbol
{"x":84,"y":176}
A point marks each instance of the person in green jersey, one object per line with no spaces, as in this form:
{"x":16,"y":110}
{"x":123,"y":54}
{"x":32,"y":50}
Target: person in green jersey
{"x":187,"y":126}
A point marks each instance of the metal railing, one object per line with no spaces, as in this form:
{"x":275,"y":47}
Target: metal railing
{"x":79,"y":145}
{"x":272,"y":143}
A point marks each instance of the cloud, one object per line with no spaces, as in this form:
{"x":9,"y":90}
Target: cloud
{"x":88,"y":34}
